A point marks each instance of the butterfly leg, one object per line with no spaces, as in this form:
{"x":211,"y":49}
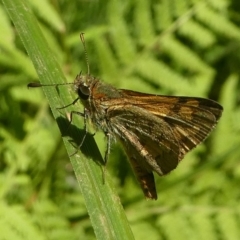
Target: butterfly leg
{"x":107,"y":152}
{"x":84,"y":115}
{"x":59,"y":108}
{"x":70,"y":118}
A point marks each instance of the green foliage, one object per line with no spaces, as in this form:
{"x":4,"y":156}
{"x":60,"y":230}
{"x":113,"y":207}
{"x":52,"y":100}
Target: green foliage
{"x":165,"y":47}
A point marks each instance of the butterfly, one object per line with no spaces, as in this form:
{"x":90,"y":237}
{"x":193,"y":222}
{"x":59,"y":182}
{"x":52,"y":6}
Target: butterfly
{"x":156,"y":131}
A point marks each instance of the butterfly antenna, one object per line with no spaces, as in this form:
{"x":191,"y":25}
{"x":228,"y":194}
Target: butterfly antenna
{"x":38,"y":84}
{"x":85,"y":52}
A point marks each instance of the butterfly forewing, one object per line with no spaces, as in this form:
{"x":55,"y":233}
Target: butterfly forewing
{"x":157,"y":131}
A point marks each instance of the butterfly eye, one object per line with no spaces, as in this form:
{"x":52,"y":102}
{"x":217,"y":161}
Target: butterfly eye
{"x":83,"y":92}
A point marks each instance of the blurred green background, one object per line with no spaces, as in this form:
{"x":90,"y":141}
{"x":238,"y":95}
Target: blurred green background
{"x":159,"y":46}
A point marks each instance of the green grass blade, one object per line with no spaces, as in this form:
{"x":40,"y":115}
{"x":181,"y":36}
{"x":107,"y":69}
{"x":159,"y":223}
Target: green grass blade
{"x":106,"y":213}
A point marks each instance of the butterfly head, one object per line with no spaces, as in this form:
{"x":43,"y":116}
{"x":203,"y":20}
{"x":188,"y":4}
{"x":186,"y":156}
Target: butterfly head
{"x":82,"y":85}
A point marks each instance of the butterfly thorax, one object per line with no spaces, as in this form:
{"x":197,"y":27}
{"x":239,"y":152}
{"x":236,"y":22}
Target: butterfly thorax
{"x":96,"y":96}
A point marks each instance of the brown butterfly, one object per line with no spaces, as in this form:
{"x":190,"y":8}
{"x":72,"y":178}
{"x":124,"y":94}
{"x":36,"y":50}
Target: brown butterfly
{"x":155,"y":131}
